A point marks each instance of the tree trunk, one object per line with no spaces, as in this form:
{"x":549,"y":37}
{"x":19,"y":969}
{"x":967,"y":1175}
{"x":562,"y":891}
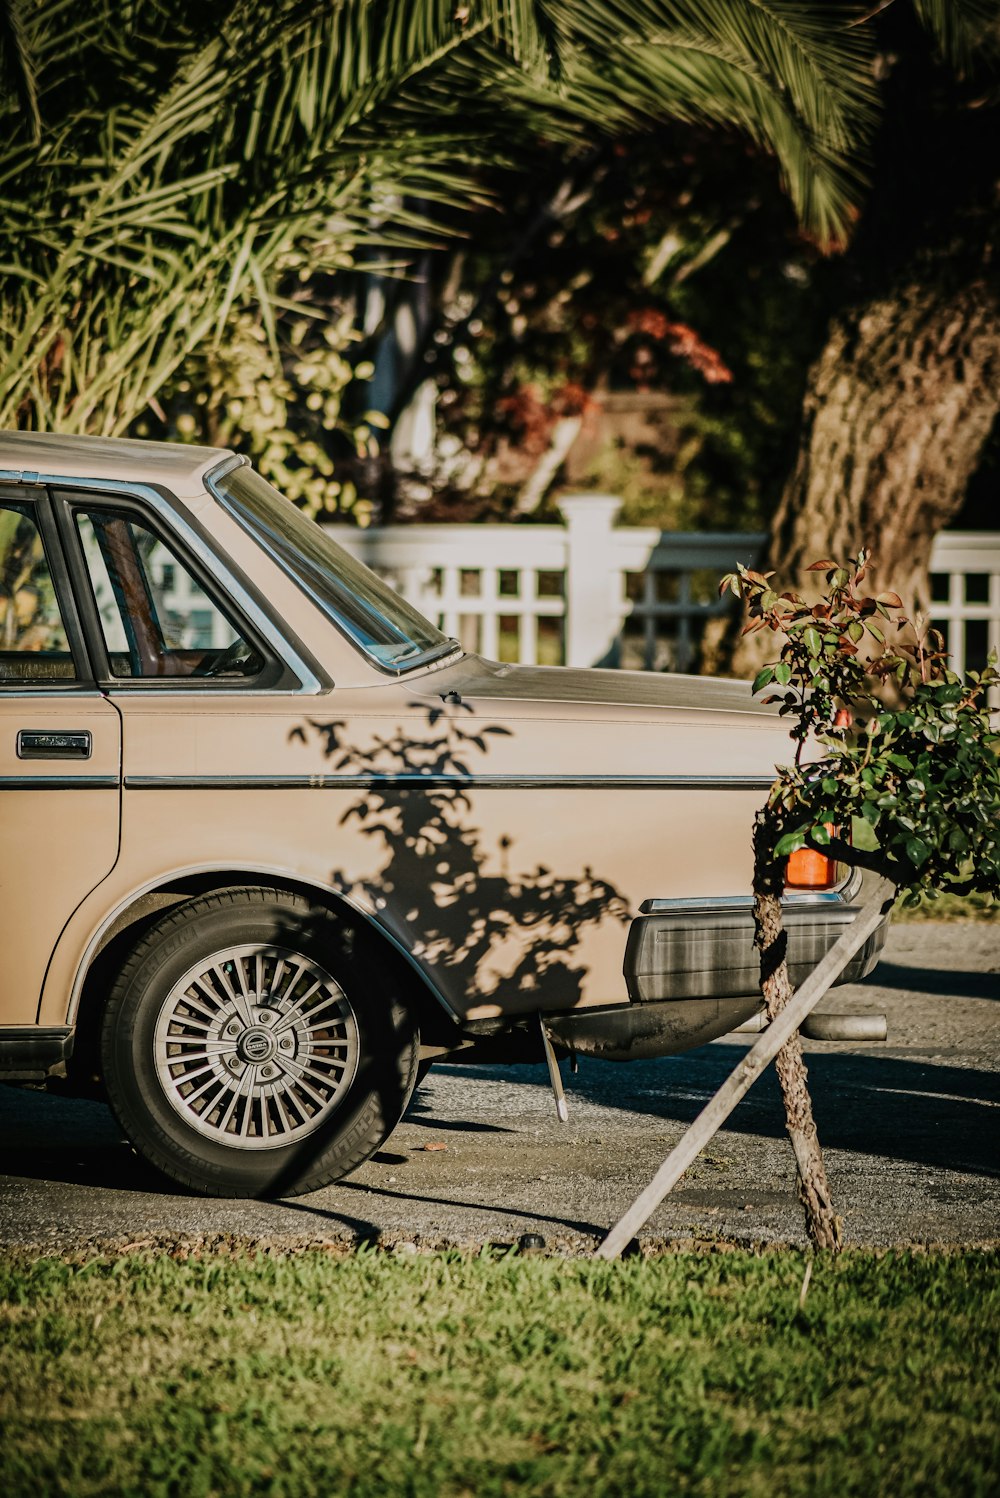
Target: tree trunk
{"x":760,"y":1055}
{"x":822,"y":1224}
{"x":897,"y":410}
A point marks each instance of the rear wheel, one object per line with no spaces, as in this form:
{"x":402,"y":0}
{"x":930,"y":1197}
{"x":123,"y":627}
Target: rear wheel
{"x":253,"y":1046}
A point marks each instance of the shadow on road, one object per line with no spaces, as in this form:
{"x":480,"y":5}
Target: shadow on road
{"x":944,"y":1116}
{"x":941,"y":1116}
{"x":521,"y":1215}
{"x":946,"y":982}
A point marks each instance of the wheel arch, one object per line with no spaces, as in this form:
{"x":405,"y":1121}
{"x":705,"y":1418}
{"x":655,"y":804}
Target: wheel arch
{"x":124,"y":925}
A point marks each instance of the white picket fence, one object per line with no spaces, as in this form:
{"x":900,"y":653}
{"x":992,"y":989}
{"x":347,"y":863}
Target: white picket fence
{"x":590,"y":592}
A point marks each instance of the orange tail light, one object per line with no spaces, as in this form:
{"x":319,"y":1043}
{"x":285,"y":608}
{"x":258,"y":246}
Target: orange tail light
{"x":807,"y":869}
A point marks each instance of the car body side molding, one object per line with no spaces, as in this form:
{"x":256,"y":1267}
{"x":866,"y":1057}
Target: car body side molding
{"x":437,"y":782}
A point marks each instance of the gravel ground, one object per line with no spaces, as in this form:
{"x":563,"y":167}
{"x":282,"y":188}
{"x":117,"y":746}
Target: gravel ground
{"x":910,"y":1130}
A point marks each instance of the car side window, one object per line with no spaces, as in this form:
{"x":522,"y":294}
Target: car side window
{"x":156,"y":617}
{"x":33,"y":643}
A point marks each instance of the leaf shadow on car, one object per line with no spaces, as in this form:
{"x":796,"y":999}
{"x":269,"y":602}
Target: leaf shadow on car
{"x":476,"y":922}
{"x":481,"y":928}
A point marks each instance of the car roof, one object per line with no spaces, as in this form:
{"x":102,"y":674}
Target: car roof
{"x":52,"y":455}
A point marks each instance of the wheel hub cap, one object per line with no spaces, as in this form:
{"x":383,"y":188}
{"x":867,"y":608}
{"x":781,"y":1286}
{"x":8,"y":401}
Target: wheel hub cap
{"x":256,"y":1046}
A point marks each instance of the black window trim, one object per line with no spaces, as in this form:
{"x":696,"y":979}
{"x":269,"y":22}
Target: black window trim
{"x":289,"y":668}
{"x":37,"y":496}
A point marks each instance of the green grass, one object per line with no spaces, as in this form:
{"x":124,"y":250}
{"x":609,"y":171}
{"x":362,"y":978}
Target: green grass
{"x":950,"y":908}
{"x":452,"y":1375}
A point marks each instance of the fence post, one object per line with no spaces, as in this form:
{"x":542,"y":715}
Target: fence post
{"x":592,"y":583}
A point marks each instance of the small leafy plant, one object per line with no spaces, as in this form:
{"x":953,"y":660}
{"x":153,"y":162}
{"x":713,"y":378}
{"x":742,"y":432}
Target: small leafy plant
{"x":896,"y":771}
{"x":907,"y":780}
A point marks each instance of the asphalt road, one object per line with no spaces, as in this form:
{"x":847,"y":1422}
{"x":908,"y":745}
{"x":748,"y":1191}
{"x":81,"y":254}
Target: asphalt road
{"x":910,"y":1131}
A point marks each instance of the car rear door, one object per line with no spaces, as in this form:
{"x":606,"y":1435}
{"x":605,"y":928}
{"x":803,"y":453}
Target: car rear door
{"x":60,"y":757}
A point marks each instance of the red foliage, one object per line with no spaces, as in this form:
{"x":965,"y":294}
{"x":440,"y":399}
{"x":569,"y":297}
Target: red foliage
{"x":572,"y":399}
{"x":529,"y":419}
{"x":683,"y":341}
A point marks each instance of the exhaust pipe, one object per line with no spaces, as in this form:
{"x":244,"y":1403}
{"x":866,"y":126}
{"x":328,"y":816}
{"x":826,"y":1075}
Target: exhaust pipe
{"x":845,"y":1027}
{"x":825,"y":1026}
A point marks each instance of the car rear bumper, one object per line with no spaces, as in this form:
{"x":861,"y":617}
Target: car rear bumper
{"x":680,"y":950}
{"x":693,"y":973}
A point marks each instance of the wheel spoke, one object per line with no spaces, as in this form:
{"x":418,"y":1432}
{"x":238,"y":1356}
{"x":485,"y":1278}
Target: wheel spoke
{"x":310,"y":1070}
{"x":237,"y":1093}
{"x":210,"y":1015}
{"x":211,"y":1056}
{"x":297,"y":969}
{"x":279,"y":968}
{"x":303,"y":1086}
{"x":239,"y":1003}
{"x":192,"y":1097}
{"x":209,"y":1047}
{"x":198,"y":1070}
{"x":239,"y":964}
{"x":293,"y":1015}
{"x":279,"y":1104}
{"x":309,"y":1018}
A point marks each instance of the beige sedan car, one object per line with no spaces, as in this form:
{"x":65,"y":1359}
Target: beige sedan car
{"x":271,"y":842}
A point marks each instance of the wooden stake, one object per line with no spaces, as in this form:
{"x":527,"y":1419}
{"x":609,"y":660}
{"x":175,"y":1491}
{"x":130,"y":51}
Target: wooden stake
{"x":741,"y":1079}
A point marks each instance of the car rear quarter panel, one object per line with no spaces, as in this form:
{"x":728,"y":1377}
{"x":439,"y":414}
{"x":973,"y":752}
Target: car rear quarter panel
{"x":505,"y":844}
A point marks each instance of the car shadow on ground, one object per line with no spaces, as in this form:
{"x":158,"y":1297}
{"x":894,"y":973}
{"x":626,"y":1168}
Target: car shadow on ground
{"x":943,"y":1116}
{"x":932,"y":1115}
{"x":417,"y":1113}
{"x":521,"y":1215}
{"x":933,"y":981}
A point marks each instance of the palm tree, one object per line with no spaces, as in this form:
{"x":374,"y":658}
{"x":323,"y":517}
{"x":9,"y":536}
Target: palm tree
{"x":903,"y":396}
{"x":194,"y":157}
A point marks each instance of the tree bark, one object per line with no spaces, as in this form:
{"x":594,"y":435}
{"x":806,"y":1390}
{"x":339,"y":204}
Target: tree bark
{"x":770,"y":937}
{"x":898,"y":408}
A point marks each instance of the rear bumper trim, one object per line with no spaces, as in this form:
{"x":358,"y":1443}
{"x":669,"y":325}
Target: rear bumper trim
{"x":704,"y":949}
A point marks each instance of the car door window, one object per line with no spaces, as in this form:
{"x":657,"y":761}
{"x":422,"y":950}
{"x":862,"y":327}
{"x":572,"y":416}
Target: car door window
{"x":156,"y":617}
{"x":33,"y":643}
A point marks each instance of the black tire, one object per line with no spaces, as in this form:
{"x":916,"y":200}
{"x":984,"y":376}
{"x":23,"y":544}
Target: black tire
{"x":218,"y":974}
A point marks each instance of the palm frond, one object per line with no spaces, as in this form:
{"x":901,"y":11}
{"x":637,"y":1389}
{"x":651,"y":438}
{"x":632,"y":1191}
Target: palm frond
{"x":960,"y":27}
{"x":195,"y":149}
{"x":17,"y":66}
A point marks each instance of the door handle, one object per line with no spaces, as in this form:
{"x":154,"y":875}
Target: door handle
{"x":37,"y":743}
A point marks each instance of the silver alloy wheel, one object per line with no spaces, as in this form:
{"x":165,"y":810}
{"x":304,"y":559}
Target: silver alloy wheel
{"x":255,"y":1046}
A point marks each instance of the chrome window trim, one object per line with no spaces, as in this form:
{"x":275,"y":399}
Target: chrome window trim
{"x":224,"y":466}
{"x":429,"y":660}
{"x":216,"y":562}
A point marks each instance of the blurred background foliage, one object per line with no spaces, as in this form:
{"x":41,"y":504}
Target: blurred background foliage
{"x":639,"y":323}
{"x":211,"y":211}
{"x":428,"y":259}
